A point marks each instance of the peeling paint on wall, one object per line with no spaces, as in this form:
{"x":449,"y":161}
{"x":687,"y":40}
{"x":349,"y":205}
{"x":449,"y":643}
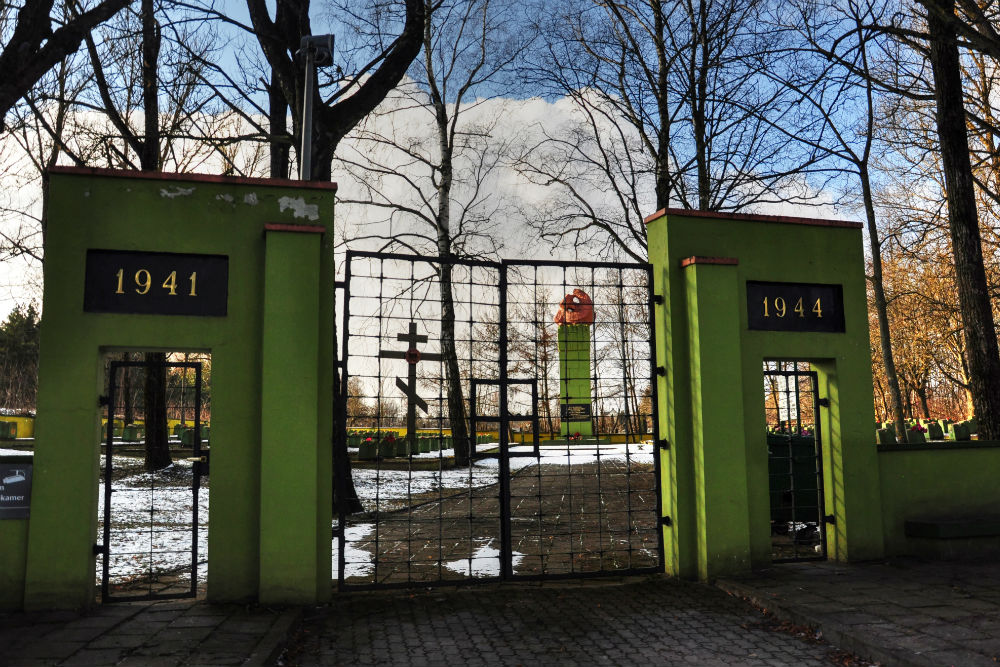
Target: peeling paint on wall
{"x":250,"y":199}
{"x":225,"y":198}
{"x":299,"y":207}
{"x":176,"y":192}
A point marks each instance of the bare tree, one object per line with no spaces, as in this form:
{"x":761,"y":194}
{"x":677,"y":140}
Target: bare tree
{"x":34,"y":46}
{"x":446,"y":205}
{"x":349,"y":103}
{"x":667,"y":111}
{"x":825,"y":60}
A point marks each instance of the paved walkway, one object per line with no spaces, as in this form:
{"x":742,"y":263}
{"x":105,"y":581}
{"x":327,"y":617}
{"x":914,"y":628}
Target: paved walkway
{"x":146,"y":634}
{"x":905,"y":613}
{"x":638,"y":621}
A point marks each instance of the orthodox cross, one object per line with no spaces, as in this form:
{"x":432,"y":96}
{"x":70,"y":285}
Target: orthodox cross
{"x":409,"y":388}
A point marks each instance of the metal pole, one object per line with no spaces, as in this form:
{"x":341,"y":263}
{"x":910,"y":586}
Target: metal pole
{"x":305,"y":161}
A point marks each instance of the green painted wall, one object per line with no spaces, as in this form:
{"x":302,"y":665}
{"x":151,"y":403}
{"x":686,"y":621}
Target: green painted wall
{"x":720,"y":479}
{"x":696,"y":344}
{"x":185,"y":214}
{"x":930,"y":483}
{"x":574,"y":375}
{"x":289,"y":445}
{"x":13,"y":553}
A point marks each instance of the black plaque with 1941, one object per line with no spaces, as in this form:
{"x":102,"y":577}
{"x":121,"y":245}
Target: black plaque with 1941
{"x":156,"y":283}
{"x":804,"y":307}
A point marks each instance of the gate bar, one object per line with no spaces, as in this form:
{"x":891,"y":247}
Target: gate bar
{"x":655,"y":410}
{"x":506,"y":550}
{"x":106,"y":565}
{"x":340,"y":437}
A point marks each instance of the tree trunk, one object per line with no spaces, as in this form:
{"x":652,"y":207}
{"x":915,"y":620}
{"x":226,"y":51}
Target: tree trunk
{"x":277,"y":114}
{"x":922,"y":395}
{"x":453,"y":379}
{"x":449,"y":354}
{"x":155,"y":389}
{"x":128,"y":404}
{"x":698,"y":90}
{"x":345,"y":494}
{"x":157,"y":446}
{"x":663,"y":173}
{"x":963,"y":221}
{"x":881,"y":307}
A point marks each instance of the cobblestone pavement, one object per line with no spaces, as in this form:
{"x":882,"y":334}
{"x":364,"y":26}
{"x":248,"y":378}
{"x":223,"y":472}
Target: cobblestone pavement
{"x":650,"y":620}
{"x":158,"y":634}
{"x":903,"y":612}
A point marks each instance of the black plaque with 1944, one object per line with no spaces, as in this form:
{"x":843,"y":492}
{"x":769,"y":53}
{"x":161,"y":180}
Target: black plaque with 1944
{"x":156,"y":283}
{"x":802,"y":307}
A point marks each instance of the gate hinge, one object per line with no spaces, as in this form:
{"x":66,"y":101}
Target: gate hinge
{"x":338,"y":284}
{"x":661,"y":370}
{"x":103,"y":400}
{"x":830,"y":519}
{"x":666,"y":521}
{"x":100,"y":549}
{"x":658,"y":299}
{"x":663,"y":443}
{"x":824,"y":402}
{"x":201,"y":463}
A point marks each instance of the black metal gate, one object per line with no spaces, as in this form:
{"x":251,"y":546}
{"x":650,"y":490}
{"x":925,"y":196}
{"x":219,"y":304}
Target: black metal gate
{"x":794,"y":462}
{"x":465,"y":468}
{"x":151,"y":522}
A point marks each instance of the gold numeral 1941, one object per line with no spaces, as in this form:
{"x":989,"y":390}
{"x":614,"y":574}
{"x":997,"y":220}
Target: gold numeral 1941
{"x":144,"y":281}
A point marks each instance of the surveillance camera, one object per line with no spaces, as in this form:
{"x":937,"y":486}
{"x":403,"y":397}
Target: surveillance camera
{"x":321,"y":47}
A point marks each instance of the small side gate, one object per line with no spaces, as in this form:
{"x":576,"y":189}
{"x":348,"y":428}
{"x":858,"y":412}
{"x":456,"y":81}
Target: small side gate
{"x":794,"y":463}
{"x":152,"y":524}
{"x":487,"y":441}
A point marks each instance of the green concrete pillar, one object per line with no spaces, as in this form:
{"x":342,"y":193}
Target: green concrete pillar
{"x":289,"y":453}
{"x":575,"y":395}
{"x":719,"y":443}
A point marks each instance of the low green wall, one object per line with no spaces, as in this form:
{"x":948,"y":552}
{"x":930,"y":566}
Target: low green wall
{"x":13,"y":553}
{"x":935,"y":481}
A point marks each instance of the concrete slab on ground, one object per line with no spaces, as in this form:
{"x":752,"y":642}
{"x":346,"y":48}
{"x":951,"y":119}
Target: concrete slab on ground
{"x":147,"y":634}
{"x":902,"y":613}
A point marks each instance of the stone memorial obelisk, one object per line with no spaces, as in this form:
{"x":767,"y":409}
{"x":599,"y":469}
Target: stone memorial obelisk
{"x":575,"y":317}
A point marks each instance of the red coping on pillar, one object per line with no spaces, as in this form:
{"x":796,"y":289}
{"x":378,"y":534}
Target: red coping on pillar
{"x":194,"y":178}
{"x":727,"y":261}
{"x":285,"y":227}
{"x":745,"y":217}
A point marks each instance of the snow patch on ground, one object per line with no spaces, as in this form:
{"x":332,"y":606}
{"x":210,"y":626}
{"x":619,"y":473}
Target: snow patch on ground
{"x":151,"y":512}
{"x":484,"y":562}
{"x":357,"y":562}
{"x":151,"y":523}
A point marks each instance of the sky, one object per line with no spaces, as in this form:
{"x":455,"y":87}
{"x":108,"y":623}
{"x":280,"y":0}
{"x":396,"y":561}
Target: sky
{"x":506,"y":202}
